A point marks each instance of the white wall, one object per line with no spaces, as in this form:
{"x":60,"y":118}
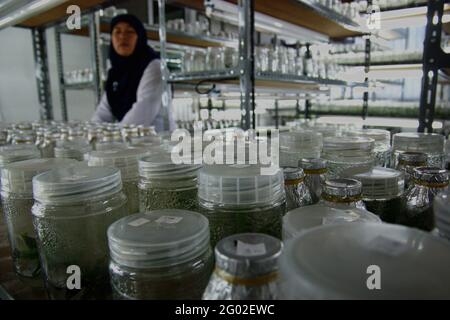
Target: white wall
{"x":18,"y":93}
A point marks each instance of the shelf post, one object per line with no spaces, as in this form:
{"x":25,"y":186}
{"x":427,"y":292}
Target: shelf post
{"x":246,"y":62}
{"x":434,"y":59}
{"x":42,"y":73}
{"x":60,"y":70}
{"x":94,"y":33}
{"x":166,"y":93}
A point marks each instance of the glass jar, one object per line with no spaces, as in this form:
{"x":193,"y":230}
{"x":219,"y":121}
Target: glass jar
{"x":407,"y":161}
{"x":165,"y":185}
{"x":239,"y":199}
{"x":72,"y":149}
{"x":302,"y":219}
{"x":72,"y":211}
{"x":161,"y":254}
{"x":14,"y":153}
{"x":348,"y":156}
{"x":297,"y":193}
{"x":48,"y":144}
{"x":431,"y":144}
{"x":427,"y":183}
{"x":299,"y":144}
{"x":246,"y":268}
{"x":274,"y":62}
{"x":342,"y":194}
{"x":382,"y":192}
{"x":382,"y":147}
{"x":127,"y":161}
{"x":315,"y":171}
{"x":441,"y":206}
{"x":17,"y":200}
{"x":340,"y":261}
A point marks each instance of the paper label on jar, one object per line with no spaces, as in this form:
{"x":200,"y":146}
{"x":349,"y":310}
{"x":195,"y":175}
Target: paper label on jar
{"x":138,"y":222}
{"x":168,"y":219}
{"x":250,"y":250}
{"x":388,"y":246}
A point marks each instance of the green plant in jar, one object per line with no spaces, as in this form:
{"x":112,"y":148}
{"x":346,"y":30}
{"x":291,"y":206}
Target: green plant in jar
{"x":17,"y":200}
{"x":73,"y":209}
{"x":239,"y":199}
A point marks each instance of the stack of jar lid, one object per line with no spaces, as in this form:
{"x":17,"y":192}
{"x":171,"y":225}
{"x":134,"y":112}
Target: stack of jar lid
{"x":13,"y":153}
{"x":72,"y":149}
{"x":299,"y":144}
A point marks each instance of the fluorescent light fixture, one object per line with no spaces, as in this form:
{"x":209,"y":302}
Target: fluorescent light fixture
{"x":228,"y":12}
{"x":28,"y":9}
{"x":375,"y":121}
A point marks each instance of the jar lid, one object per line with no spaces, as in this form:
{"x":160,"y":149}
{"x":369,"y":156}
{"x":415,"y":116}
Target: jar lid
{"x":381,"y":183}
{"x":304,"y":218}
{"x":342,"y":187}
{"x":312,"y":164}
{"x":293,"y":173}
{"x":298,"y":140}
{"x":441,"y":207}
{"x":332,"y":262}
{"x":420,"y":142}
{"x":380,"y":136}
{"x":17,"y":177}
{"x":239,"y":185}
{"x":124,"y":159}
{"x":159,"y":165}
{"x":13,"y":153}
{"x":413,"y":158}
{"x":146,"y":140}
{"x":76,"y":184}
{"x":348,"y":144}
{"x":110,"y":145}
{"x":432,"y":175}
{"x":248,"y":255}
{"x":158,"y":238}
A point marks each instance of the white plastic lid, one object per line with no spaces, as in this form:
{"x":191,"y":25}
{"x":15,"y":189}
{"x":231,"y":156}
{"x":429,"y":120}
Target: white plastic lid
{"x":76,"y":184}
{"x":419,"y":142}
{"x":17,"y":177}
{"x":299,"y":140}
{"x":301,"y":219}
{"x":159,"y":238}
{"x":13,"y":153}
{"x":441,"y":207}
{"x":239,"y":185}
{"x":381,"y":183}
{"x":124,"y":159}
{"x":336,"y":261}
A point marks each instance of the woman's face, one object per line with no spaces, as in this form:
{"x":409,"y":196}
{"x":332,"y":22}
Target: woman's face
{"x":124,"y":39}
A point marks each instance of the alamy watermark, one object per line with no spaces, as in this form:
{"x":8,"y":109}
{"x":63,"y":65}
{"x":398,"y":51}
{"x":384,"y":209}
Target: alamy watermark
{"x":73,"y":22}
{"x":74,"y":279}
{"x":374,"y":280}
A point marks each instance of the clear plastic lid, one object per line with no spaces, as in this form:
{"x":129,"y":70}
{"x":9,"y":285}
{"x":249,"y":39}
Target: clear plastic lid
{"x":160,"y":238}
{"x":380,"y":136}
{"x":248,"y":255}
{"x":72,"y":149}
{"x":125,"y":159}
{"x":313,"y":165}
{"x":419,"y":142}
{"x":293,"y":174}
{"x":112,"y":145}
{"x":381,"y":183}
{"x":342,"y":188}
{"x":76,"y":184}
{"x":441,"y":207}
{"x":297,"y":141}
{"x":17,"y":177}
{"x":431,"y":175}
{"x":239,"y":185}
{"x":349,"y":146}
{"x":338,"y":262}
{"x":151,"y":140}
{"x":13,"y":153}
{"x":304,"y":218}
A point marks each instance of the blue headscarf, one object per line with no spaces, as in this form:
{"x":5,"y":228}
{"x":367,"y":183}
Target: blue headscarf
{"x":126,"y":72}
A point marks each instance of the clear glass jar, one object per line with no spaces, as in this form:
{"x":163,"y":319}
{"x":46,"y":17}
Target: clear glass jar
{"x":299,"y":220}
{"x":239,"y":199}
{"x":72,"y":211}
{"x":161,"y":254}
{"x":407,"y":161}
{"x":315,"y":171}
{"x":14,"y":153}
{"x":382,"y":147}
{"x":72,"y":149}
{"x":427,"y":183}
{"x":431,"y":144}
{"x":231,"y":57}
{"x":246,"y":268}
{"x":297,"y":193}
{"x":382,"y":192}
{"x":332,"y":262}
{"x":441,"y":206}
{"x":48,"y":144}
{"x":274,"y":62}
{"x":348,"y":156}
{"x":215,"y":58}
{"x":299,"y":144}
{"x":165,"y":185}
{"x":17,"y":200}
{"x":342,"y":194}
{"x":127,"y":161}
